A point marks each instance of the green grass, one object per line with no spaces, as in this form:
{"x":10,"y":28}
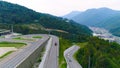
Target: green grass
{"x":64,"y":65}
{"x":64,"y":44}
{"x":75,"y":54}
{"x":81,"y":45}
{"x":6,"y":54}
{"x":37,"y":37}
{"x":20,"y":38}
{"x":11,"y":44}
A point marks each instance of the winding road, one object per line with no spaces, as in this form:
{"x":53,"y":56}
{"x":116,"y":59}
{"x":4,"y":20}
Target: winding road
{"x":68,"y":54}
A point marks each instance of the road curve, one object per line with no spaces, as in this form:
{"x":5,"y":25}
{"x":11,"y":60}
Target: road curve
{"x":23,"y":54}
{"x":51,"y":61}
{"x":68,"y":54}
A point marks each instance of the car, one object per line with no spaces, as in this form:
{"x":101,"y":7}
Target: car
{"x":55,"y":44}
{"x":70,"y":60}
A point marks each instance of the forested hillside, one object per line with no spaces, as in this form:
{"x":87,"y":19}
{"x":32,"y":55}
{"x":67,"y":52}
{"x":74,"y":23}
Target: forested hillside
{"x":99,"y":53}
{"x":21,"y":17}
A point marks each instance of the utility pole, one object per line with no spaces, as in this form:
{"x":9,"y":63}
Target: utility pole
{"x":12,"y":28}
{"x":49,"y":32}
{"x":89,"y":62}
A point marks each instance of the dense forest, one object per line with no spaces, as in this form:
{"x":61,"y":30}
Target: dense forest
{"x":22,"y":18}
{"x":98,"y":53}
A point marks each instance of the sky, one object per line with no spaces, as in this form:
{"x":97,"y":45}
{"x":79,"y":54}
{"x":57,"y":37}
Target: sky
{"x":63,"y":7}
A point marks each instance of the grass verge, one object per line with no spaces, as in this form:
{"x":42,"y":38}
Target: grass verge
{"x":20,"y":38}
{"x":81,"y":45}
{"x":37,"y":37}
{"x":39,"y":59}
{"x":12,"y":44}
{"x":6,"y":54}
{"x":64,"y":44}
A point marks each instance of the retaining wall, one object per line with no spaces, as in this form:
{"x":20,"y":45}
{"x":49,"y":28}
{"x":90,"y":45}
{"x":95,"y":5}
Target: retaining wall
{"x":31,"y":59}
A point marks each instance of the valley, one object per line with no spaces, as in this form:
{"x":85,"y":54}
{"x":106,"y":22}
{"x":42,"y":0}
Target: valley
{"x":104,"y":34}
{"x":106,"y":18}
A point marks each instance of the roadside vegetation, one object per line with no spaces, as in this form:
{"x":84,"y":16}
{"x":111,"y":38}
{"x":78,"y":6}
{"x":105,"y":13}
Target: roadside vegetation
{"x":6,"y":54}
{"x":99,"y":53}
{"x":21,"y":38}
{"x":39,"y":59}
{"x":64,"y":44}
{"x":12,"y":44}
{"x":81,"y":45}
{"x":37,"y":37}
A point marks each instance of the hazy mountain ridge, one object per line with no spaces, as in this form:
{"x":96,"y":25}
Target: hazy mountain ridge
{"x":94,"y":17}
{"x":71,"y":14}
{"x":102,"y":17}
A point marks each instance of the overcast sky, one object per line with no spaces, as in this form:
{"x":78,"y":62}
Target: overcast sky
{"x":62,"y":7}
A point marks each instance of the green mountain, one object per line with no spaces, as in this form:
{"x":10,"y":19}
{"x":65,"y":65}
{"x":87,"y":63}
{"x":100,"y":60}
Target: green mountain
{"x":102,"y":17}
{"x":94,"y":17}
{"x":28,"y":21}
{"x":112,"y":24}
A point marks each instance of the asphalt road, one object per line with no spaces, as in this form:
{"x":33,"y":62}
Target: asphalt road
{"x":68,"y":54}
{"x":21,"y":55}
{"x":51,"y":60}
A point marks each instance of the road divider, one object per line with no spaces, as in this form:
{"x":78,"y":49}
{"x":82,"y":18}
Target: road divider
{"x":48,"y":46}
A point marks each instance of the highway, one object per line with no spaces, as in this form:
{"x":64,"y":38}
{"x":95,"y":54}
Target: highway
{"x":51,"y":60}
{"x":21,"y":55}
{"x":68,"y":54}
